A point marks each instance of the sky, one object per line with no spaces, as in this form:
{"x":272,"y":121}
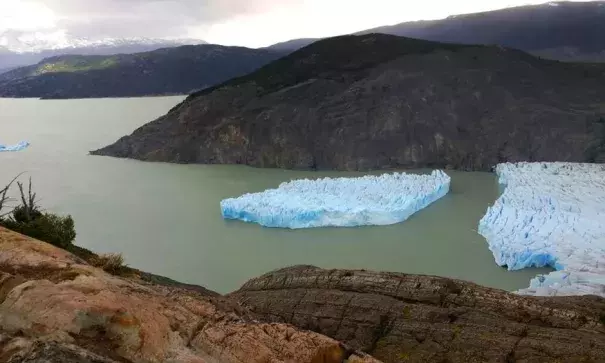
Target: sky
{"x":252,"y":23}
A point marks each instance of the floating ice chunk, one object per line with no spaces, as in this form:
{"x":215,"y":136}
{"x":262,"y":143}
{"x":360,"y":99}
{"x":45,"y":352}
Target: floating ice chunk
{"x":339,"y":202}
{"x":551,"y":214}
{"x":17,"y":147}
{"x":566,"y":283}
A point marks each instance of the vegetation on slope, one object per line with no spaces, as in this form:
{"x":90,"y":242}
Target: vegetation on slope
{"x":168,"y":71}
{"x":67,"y":64}
{"x":77,"y":64}
{"x":29,"y":219}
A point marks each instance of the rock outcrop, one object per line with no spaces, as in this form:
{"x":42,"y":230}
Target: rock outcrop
{"x":407,"y":318}
{"x":56,"y":308}
{"x":378,"y":102}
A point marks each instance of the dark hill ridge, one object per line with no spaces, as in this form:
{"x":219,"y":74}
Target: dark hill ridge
{"x":557,"y":30}
{"x":379,"y":101}
{"x":562,"y":30}
{"x":331,"y":59}
{"x":179,"y":70}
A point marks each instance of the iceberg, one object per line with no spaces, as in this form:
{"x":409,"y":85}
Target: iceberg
{"x":17,"y":147}
{"x":551,"y":214}
{"x":339,"y":202}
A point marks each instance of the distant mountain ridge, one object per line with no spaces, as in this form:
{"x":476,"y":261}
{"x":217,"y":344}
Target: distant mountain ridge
{"x":379,"y":101}
{"x":570,"y":31}
{"x":15,"y":52}
{"x":167,"y":71}
{"x":23,"y":41}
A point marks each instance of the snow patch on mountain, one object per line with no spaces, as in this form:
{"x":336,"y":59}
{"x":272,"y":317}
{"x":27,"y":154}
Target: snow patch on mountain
{"x":32,"y":42}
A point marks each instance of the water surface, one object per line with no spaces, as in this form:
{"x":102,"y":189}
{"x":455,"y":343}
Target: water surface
{"x":166,"y":219}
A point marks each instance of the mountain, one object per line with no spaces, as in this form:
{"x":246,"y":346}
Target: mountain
{"x":292,"y":45}
{"x":178,"y":70}
{"x":380,"y":101}
{"x":562,"y":30}
{"x":16,"y":52}
{"x":4,"y":70}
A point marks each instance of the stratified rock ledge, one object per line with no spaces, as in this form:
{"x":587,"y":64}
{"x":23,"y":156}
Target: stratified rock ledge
{"x":409,"y":318}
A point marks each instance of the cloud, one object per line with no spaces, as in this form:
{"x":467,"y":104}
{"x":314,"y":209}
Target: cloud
{"x":150,"y":18}
{"x":230,"y":22}
{"x":18,"y":15}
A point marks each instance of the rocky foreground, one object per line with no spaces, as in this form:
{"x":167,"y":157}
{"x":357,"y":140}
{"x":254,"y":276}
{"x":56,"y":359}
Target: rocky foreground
{"x":408,"y":318}
{"x":56,"y":308}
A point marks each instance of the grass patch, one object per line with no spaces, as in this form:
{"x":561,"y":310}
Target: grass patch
{"x":112,"y":263}
{"x":76,"y":64}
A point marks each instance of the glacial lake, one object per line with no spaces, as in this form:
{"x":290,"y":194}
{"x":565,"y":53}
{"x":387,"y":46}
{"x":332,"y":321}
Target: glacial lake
{"x":166,"y":219}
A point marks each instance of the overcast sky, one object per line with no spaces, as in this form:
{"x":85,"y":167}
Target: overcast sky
{"x":250,"y":23}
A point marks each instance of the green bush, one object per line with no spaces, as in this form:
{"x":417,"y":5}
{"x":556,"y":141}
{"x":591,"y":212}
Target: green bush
{"x":47,"y":227}
{"x":27,"y":219}
{"x":21,"y":215}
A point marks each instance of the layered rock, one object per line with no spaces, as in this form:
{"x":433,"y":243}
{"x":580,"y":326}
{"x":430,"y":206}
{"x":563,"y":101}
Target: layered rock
{"x":408,"y":318}
{"x":56,"y":308}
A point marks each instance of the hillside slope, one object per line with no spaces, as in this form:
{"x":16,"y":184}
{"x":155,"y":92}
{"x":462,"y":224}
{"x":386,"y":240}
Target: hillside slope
{"x":562,"y":30}
{"x":379,"y":101}
{"x":165,"y":71}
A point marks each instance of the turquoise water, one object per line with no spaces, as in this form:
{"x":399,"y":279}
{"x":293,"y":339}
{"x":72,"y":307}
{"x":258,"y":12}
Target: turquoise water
{"x":166,"y":218}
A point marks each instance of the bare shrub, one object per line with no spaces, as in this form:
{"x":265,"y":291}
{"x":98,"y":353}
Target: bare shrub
{"x":112,"y":263}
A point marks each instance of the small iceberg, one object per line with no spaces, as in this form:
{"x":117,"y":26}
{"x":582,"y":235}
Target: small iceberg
{"x":551,"y":214}
{"x":17,"y":147}
{"x":340,"y":202}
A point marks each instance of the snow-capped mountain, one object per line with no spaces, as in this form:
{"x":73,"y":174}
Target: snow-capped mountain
{"x":20,"y":49}
{"x":31,"y":42}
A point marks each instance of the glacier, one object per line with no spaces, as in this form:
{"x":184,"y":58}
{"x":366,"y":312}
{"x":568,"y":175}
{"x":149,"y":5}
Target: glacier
{"x":339,"y":202}
{"x":17,"y":147}
{"x":551,"y":214}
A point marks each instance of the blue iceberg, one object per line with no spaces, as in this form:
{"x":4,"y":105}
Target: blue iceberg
{"x":551,"y":214}
{"x":17,"y":147}
{"x":339,"y":202}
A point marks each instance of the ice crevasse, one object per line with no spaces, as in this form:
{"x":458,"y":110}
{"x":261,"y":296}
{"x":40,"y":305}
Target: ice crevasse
{"x":340,"y":202}
{"x":17,"y":147}
{"x":551,"y":214}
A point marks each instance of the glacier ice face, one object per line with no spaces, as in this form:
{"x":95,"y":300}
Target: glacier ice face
{"x":551,"y":214}
{"x":17,"y":147}
{"x":339,"y":202}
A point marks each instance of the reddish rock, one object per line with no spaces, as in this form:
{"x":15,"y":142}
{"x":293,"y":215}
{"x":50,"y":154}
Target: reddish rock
{"x":56,"y":308}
